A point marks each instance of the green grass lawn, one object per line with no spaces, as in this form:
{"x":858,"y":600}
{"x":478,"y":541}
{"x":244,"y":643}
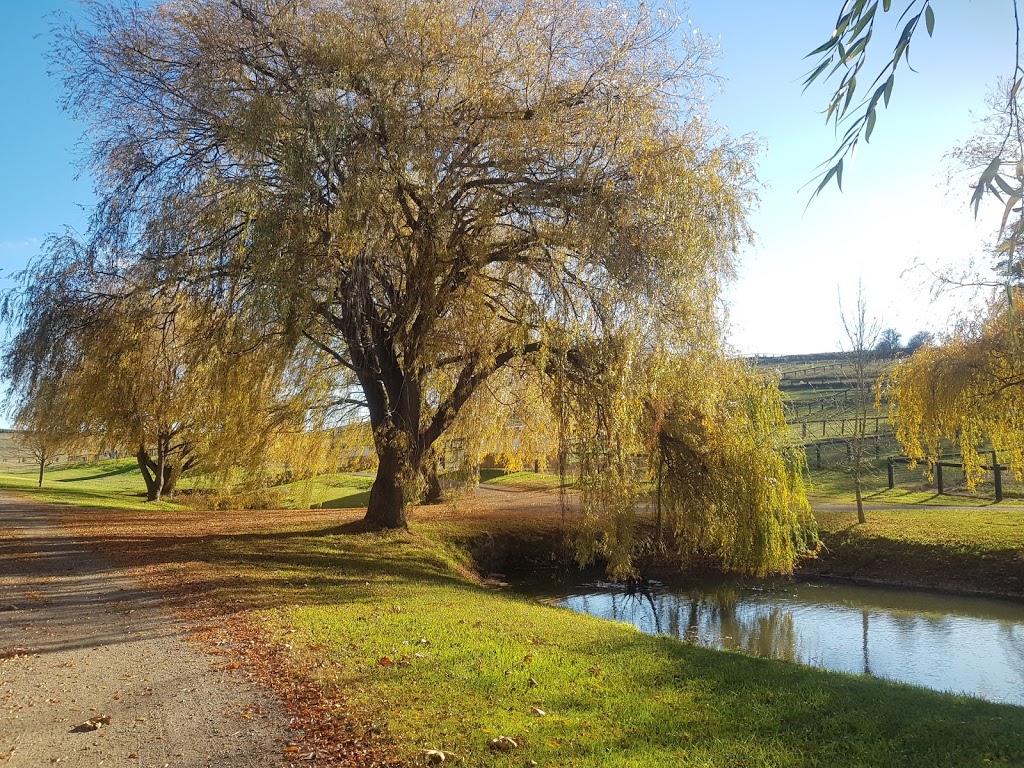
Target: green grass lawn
{"x":468,"y":665}
{"x":113,"y":483}
{"x":835,"y":485}
{"x":537,"y":481}
{"x":395,"y":626}
{"x":949,"y":548}
{"x":118,"y":484}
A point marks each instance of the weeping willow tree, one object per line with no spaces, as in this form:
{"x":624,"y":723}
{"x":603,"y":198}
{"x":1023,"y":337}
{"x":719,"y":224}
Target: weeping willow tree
{"x":701,"y":438}
{"x":428,"y":192}
{"x":967,"y":390}
{"x":154,"y":372}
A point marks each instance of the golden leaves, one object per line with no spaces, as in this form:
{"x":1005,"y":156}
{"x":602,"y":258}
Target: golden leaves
{"x":966,"y":392}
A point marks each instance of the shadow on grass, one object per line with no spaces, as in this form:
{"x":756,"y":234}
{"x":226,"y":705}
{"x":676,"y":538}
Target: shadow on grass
{"x":310,"y":566}
{"x":850,"y":553}
{"x":351,"y":501}
{"x":787,"y":708}
{"x":123,"y":470}
{"x":73,"y":496}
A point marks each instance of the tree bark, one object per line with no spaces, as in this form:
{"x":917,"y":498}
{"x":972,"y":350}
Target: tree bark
{"x":172,"y":473}
{"x":160,"y":470}
{"x":860,"y":501}
{"x":433,"y":493}
{"x":42,"y":467}
{"x":152,"y":491}
{"x":389,"y":494}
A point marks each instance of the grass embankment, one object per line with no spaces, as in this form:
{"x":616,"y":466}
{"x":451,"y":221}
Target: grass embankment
{"x":108,"y":484}
{"x":835,"y":485}
{"x":400,"y":637}
{"x":536,"y":481}
{"x":961,"y":550}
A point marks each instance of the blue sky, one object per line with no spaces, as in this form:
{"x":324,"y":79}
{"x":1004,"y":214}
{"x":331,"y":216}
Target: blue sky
{"x":896,"y":209}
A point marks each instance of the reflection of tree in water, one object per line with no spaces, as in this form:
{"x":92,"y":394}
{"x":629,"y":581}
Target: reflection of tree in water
{"x":1011,"y":637}
{"x":915,"y":626}
{"x":989,"y":646}
{"x":715,"y":618}
{"x":865,"y":624}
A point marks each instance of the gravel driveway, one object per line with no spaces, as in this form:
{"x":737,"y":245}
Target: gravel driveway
{"x":94,"y":672}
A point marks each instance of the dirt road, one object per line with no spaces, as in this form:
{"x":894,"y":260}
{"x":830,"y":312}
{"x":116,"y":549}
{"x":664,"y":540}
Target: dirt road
{"x":80,"y":641}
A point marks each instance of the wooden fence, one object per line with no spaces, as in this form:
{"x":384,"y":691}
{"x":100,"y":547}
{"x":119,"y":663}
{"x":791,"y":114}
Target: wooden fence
{"x":821,"y":404}
{"x":801,"y":373}
{"x":995,"y":467}
{"x":810,"y":428}
{"x":816,"y":449}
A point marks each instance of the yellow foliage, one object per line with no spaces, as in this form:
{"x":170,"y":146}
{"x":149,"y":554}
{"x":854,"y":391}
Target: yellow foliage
{"x":967,"y":390}
{"x":714,"y":431}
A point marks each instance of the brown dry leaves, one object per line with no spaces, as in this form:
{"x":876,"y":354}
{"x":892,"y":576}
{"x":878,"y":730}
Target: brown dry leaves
{"x":165,"y":552}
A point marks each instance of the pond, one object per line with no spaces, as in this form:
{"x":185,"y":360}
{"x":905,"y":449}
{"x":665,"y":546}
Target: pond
{"x":948,"y":643}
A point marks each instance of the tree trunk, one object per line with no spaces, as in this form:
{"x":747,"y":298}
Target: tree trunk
{"x":389,"y":495}
{"x":152,"y":490}
{"x":433,"y":493}
{"x":860,"y":500}
{"x":160,"y":470}
{"x":172,"y":473}
{"x":657,"y":507}
{"x":42,"y":467}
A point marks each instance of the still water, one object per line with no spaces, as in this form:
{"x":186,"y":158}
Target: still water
{"x":958,"y":644}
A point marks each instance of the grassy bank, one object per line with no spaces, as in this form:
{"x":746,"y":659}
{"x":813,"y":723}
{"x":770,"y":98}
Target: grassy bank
{"x":407,"y":645}
{"x":115,"y":484}
{"x":931,"y":545}
{"x":963,"y":550}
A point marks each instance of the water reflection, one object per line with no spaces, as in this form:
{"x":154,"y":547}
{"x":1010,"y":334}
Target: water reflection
{"x":968,"y":645}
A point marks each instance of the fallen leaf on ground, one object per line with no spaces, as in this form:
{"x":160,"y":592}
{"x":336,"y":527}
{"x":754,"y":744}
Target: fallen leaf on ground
{"x":537,"y":711}
{"x":503,"y":744}
{"x":384,"y":661}
{"x":92,"y":724}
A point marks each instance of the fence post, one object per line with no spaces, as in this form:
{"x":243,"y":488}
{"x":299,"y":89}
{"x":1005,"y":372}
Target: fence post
{"x":823,"y":422}
{"x":817,"y":451}
{"x":842,"y":426}
{"x":892,"y":474}
{"x":938,"y":478}
{"x":804,"y":425}
{"x":998,"y":476}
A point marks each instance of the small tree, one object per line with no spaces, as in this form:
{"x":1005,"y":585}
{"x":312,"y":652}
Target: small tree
{"x":148,"y":372}
{"x":968,"y":390}
{"x":917,"y":341}
{"x":48,"y":427}
{"x":888,"y":343}
{"x":862,"y":334}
